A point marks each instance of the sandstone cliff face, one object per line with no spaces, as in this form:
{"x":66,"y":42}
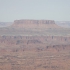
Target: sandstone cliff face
{"x":35,"y":24}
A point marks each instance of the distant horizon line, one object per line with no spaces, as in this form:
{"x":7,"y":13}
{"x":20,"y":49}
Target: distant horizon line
{"x":37,"y":19}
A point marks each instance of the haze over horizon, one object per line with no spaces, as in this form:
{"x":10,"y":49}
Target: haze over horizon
{"x":58,"y":10}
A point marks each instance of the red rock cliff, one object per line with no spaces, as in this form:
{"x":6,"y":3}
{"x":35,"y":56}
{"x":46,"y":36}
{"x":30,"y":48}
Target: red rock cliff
{"x":35,"y":24}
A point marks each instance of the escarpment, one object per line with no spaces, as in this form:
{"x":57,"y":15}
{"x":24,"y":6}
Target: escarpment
{"x":37,"y":43}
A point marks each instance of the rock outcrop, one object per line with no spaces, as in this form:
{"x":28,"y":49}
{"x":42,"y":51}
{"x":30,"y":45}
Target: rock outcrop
{"x":35,"y":24}
{"x":37,"y":43}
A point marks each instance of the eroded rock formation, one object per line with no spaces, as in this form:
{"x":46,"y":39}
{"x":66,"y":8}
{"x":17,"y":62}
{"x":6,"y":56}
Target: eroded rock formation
{"x":37,"y":43}
{"x":35,"y":24}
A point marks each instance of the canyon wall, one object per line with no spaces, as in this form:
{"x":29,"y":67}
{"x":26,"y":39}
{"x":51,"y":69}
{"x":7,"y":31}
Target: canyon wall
{"x":30,"y":43}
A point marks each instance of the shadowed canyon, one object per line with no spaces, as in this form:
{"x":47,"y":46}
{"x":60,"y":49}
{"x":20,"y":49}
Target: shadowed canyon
{"x":34,"y":45}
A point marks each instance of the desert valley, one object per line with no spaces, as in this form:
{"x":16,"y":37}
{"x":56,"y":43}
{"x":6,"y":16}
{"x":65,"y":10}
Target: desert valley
{"x":34,"y":45}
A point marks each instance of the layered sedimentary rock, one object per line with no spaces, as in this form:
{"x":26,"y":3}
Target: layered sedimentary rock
{"x":35,"y":24}
{"x":35,"y":43}
{"x":34,"y":53}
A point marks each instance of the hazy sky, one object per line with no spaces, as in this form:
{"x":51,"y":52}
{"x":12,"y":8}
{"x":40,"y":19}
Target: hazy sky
{"x":58,"y":10}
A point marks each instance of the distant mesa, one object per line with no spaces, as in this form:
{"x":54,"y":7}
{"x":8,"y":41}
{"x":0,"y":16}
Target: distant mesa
{"x":5,"y":24}
{"x":35,"y":24}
